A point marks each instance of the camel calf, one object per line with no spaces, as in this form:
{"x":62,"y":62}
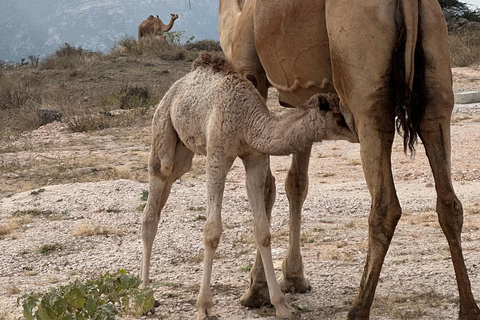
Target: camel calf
{"x":216,"y":112}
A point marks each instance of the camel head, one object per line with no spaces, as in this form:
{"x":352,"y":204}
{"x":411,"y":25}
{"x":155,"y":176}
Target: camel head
{"x":329,"y":108}
{"x":174,"y":16}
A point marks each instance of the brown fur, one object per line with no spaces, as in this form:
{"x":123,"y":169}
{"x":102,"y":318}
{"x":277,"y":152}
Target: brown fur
{"x":154,"y":26}
{"x":385,"y":60}
{"x":214,"y":61}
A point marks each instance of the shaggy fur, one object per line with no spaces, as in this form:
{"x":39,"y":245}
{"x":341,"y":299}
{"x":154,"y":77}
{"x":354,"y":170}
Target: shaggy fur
{"x":218,"y":113}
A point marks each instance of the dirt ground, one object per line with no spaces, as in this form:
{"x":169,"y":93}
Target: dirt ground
{"x":93,"y":227}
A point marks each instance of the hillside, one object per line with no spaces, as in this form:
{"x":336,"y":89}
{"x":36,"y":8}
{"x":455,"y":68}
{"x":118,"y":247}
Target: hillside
{"x":40,"y":27}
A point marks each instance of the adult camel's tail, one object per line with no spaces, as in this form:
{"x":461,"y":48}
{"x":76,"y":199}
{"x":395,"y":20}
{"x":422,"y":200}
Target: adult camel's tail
{"x":229,"y":12}
{"x":408,"y":74}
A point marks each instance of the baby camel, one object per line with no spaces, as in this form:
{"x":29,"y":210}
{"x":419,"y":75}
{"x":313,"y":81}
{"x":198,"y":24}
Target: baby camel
{"x":216,"y":112}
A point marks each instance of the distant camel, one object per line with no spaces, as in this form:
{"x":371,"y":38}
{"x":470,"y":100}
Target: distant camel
{"x":216,"y":112}
{"x":155,"y":26}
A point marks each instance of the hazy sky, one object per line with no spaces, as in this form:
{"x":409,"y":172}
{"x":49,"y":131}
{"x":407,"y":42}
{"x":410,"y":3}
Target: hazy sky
{"x":474,"y":2}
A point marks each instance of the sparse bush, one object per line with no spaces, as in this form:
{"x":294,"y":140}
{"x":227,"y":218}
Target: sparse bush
{"x":48,"y":248}
{"x":204,"y":45}
{"x":130,"y":97}
{"x":17,"y":91}
{"x":95,"y":230}
{"x":175,"y":38}
{"x":102,"y":298}
{"x":90,"y":122}
{"x":166,"y":46}
{"x":9,"y":226}
{"x":464,"y":48}
{"x":69,"y":57}
{"x":149,"y":45}
{"x":34,"y":60}
{"x":68,"y":50}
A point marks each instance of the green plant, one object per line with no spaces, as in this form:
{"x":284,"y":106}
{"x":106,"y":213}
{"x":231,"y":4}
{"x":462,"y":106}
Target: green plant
{"x":47,"y":248}
{"x":102,"y":299}
{"x":301,"y":309}
{"x":246,"y":268}
{"x":174,"y":38}
{"x":144,"y":195}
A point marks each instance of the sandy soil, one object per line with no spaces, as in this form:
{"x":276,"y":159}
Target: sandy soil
{"x":417,"y":281}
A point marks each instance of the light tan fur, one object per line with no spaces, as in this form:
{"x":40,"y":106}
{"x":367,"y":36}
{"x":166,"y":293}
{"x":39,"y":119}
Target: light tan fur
{"x":354,"y":48}
{"x":153,"y":25}
{"x":216,"y":112}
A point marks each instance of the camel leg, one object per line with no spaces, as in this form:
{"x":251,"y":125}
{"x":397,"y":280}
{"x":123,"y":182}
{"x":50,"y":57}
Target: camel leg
{"x":435,"y":134}
{"x":296,"y":187}
{"x":256,"y":167}
{"x":244,"y":54}
{"x":376,"y":138}
{"x":257,"y":294}
{"x":163,"y":173}
{"x":362,"y":80}
{"x":218,"y":165}
{"x":246,"y":61}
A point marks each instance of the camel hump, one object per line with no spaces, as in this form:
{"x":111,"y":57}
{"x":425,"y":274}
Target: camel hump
{"x":214,"y":61}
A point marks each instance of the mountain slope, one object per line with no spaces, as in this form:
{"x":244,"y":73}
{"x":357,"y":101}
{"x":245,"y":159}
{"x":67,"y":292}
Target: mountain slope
{"x":38,"y":28}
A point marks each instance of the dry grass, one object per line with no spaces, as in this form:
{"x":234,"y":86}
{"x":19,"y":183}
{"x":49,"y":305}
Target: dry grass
{"x":464,"y":48}
{"x":409,"y":306}
{"x":95,"y":229}
{"x":12,"y":289}
{"x":10,"y":226}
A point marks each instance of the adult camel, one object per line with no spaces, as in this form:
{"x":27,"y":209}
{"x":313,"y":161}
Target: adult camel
{"x":155,"y":26}
{"x":387,"y":60}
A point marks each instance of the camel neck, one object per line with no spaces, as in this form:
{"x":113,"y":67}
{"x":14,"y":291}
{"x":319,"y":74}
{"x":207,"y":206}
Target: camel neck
{"x":288,"y":133}
{"x":169,"y":25}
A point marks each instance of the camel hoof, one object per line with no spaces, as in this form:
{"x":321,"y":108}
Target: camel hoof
{"x":255,"y":297}
{"x":295,"y":285}
{"x":292,"y":316}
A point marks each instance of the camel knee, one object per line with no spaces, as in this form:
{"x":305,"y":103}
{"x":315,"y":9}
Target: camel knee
{"x":296,"y":186}
{"x":161,"y":166}
{"x":262,"y":234}
{"x":212,"y":233}
{"x":450,"y":212}
{"x":383,"y":221}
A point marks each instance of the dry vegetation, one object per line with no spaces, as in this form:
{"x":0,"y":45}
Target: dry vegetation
{"x":86,"y":86}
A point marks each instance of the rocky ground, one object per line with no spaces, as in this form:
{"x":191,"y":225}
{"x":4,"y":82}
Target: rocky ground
{"x":94,"y":227}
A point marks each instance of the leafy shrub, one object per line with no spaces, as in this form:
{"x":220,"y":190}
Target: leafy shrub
{"x":103,"y":298}
{"x":175,"y":38}
{"x":464,"y":48}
